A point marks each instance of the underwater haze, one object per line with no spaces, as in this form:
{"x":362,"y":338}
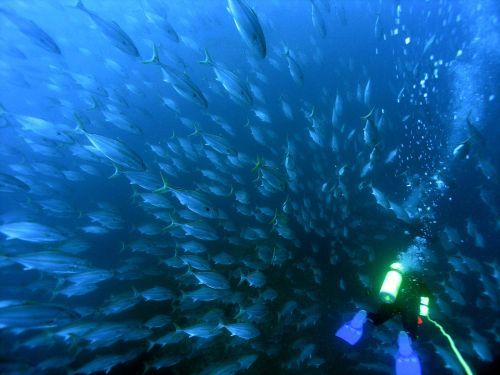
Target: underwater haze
{"x":216,"y":186}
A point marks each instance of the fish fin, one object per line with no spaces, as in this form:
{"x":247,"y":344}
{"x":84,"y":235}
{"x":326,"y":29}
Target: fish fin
{"x":79,"y":123}
{"x":188,"y":272}
{"x":79,"y":5}
{"x":54,"y":292}
{"x":177,"y":328}
{"x":311,"y":115}
{"x":196,"y":130}
{"x":136,"y":292}
{"x":247,"y":123}
{"x":274,"y":220}
{"x":258,"y":164}
{"x":135,"y":193}
{"x":95,"y":103}
{"x":74,"y":342}
{"x":147,"y":367}
{"x":123,"y":247}
{"x":155,"y":59}
{"x":164,"y":229}
{"x":151,"y":345}
{"x":468,"y":140}
{"x":117,"y":171}
{"x":273,"y":257}
{"x":242,"y":278}
{"x":165,"y":187}
{"x":208,"y":59}
{"x":286,"y":53}
{"x":167,"y":77}
{"x":240,"y":312}
{"x":366,"y":117}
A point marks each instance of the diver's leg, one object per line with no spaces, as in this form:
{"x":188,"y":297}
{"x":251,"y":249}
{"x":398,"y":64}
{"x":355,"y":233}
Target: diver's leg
{"x":352,"y":331}
{"x":410,"y":323}
{"x":384,"y":313}
{"x":407,"y":361}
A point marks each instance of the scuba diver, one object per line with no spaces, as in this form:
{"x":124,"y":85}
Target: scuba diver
{"x":403,"y":294}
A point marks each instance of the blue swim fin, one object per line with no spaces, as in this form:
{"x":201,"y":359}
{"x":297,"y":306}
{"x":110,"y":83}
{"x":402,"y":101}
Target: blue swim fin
{"x":407,"y":361}
{"x":352,"y":331}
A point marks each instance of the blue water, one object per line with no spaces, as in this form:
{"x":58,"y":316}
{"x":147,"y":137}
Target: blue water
{"x":427,"y":69}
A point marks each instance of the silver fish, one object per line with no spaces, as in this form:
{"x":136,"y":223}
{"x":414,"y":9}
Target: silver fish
{"x":180,"y":82}
{"x":36,"y":34}
{"x":112,"y":31}
{"x":31,"y":232}
{"x":236,"y":88}
{"x":35,"y":316}
{"x":248,"y":26}
{"x":55,"y":262}
{"x":116,"y":151}
{"x":294,"y":68}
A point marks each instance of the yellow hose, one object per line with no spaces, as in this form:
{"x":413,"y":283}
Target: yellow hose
{"x":464,"y":364}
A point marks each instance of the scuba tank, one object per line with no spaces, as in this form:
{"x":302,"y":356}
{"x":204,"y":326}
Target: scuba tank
{"x":392,"y":282}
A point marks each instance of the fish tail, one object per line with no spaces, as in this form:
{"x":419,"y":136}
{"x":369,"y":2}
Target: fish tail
{"x":311,"y":115}
{"x":155,"y":59}
{"x":188,"y":272}
{"x":177,"y":328}
{"x":79,"y":123}
{"x":170,"y":226}
{"x":274,"y":220}
{"x":53,"y":293}
{"x":165,"y":187}
{"x":135,"y":193}
{"x":116,"y":173}
{"x":95,"y":103}
{"x":74,"y":342}
{"x":136,"y":292}
{"x":366,"y":117}
{"x":240,"y":313}
{"x":151,"y":345}
{"x":208,"y":60}
{"x":196,"y":130}
{"x":242,"y":278}
{"x":79,"y":5}
{"x":258,"y":164}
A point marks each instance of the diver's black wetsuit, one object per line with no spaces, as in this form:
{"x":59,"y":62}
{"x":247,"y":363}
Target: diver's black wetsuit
{"x":407,"y":304}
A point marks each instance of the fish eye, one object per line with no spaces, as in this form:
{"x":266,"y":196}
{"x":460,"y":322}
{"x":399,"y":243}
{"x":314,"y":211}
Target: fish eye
{"x":207,"y":209}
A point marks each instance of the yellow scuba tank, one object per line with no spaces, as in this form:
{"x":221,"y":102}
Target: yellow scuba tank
{"x":392,"y":282}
